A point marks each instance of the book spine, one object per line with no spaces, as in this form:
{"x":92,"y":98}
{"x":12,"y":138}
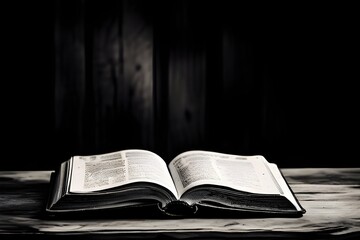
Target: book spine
{"x":178,"y":208}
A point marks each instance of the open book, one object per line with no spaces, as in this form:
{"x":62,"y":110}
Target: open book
{"x":193,"y":182}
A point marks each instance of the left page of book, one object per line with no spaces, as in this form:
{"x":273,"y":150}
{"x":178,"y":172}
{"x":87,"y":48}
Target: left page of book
{"x":105,"y":171}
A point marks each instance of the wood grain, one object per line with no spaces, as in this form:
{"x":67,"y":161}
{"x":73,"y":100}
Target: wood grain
{"x":70,"y":81}
{"x":186,"y":81}
{"x":330,"y":196}
{"x":105,"y":74}
{"x":104,"y":77}
{"x":137,"y":98}
{"x":179,"y":75}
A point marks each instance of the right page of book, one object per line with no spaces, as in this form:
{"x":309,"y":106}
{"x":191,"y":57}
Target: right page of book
{"x":245,"y":173}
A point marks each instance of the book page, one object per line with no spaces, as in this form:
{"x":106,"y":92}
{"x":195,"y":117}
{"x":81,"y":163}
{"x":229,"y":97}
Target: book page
{"x":286,"y":190}
{"x":244,"y":173}
{"x":104,"y":171}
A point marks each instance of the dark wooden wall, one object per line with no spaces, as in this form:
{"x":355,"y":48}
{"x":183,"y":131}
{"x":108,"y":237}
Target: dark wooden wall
{"x":99,"y":76}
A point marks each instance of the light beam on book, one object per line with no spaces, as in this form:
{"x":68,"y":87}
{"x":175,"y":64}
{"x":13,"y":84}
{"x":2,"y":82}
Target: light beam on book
{"x":192,"y":181}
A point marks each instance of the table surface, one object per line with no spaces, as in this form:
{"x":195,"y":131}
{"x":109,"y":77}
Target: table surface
{"x":330,"y":196}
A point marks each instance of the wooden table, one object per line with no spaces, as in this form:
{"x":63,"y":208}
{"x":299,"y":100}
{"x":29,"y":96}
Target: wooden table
{"x":330,"y":196}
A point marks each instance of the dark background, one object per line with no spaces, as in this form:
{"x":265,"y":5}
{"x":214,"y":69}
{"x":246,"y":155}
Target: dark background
{"x":89,"y":77}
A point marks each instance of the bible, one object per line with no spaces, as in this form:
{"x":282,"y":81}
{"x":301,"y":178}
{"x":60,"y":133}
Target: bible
{"x":194,"y":183}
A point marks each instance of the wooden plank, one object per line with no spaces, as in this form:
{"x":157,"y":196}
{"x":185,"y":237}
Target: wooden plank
{"x":186,"y":81}
{"x":239,"y":92}
{"x":186,"y":100}
{"x":104,"y":76}
{"x":137,"y":96}
{"x":69,"y":78}
{"x":105,"y":70}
